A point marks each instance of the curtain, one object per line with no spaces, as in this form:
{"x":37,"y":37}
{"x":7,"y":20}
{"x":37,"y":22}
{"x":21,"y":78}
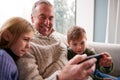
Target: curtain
{"x":113,"y":22}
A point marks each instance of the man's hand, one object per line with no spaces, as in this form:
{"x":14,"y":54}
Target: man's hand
{"x":75,"y":71}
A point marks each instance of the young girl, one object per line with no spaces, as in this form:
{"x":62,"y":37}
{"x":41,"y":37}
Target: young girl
{"x":15,"y":36}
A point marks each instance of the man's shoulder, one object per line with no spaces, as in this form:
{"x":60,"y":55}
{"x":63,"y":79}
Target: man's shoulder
{"x":58,"y":34}
{"x":60,"y":37}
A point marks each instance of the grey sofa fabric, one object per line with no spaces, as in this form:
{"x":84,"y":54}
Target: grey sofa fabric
{"x":114,"y":50}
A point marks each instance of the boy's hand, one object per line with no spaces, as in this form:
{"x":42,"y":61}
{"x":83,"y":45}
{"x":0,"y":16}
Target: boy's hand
{"x":106,"y":60}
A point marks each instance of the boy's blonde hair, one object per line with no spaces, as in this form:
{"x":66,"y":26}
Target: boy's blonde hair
{"x":76,"y":33}
{"x":16,"y":26}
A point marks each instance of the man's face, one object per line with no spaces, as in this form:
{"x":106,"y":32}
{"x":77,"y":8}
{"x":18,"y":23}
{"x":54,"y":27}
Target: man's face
{"x":43,"y":19}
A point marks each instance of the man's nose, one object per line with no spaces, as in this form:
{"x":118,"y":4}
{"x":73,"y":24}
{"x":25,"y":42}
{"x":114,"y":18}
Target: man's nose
{"x":47,"y":21}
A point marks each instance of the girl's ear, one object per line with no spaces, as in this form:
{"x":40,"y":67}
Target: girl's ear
{"x":7,"y":35}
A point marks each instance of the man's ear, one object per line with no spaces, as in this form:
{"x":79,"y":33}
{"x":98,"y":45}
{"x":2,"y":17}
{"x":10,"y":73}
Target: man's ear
{"x":7,"y":35}
{"x":32,"y":20}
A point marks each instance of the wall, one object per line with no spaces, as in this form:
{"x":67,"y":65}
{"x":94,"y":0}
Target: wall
{"x":92,"y":15}
{"x":85,"y":16}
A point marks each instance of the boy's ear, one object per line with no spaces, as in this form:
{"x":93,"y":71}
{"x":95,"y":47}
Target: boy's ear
{"x":7,"y":35}
{"x":68,"y":42}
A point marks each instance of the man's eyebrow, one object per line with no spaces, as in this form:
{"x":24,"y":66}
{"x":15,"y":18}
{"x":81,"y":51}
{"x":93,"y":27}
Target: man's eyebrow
{"x":51,"y":16}
{"x":41,"y":15}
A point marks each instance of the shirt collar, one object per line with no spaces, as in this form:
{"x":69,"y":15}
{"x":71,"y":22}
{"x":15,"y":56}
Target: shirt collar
{"x":10,"y":52}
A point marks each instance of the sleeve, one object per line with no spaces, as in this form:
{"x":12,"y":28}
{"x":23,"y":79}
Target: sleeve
{"x":60,"y":61}
{"x":105,"y":69}
{"x":8,"y":71}
{"x":3,"y":68}
{"x":28,"y":69}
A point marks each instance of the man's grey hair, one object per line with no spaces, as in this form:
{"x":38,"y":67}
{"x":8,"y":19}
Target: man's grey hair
{"x":39,"y":2}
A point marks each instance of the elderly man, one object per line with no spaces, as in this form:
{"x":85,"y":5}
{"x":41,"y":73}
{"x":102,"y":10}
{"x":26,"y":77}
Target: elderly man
{"x":46,"y":59}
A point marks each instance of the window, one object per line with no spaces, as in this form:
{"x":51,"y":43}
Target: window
{"x":64,"y":15}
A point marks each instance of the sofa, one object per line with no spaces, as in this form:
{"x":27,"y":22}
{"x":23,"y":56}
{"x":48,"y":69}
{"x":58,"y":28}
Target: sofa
{"x":114,"y":50}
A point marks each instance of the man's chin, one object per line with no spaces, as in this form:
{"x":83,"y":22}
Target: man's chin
{"x":46,"y":34}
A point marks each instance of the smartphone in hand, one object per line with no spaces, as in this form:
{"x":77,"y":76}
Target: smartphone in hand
{"x":97,"y":56}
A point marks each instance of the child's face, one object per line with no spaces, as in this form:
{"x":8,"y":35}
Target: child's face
{"x":21,"y":46}
{"x":78,"y":46}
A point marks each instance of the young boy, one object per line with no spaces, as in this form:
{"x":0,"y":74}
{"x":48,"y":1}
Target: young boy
{"x":76,"y":38}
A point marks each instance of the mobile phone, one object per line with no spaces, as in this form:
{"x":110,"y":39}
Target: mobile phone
{"x":97,"y":56}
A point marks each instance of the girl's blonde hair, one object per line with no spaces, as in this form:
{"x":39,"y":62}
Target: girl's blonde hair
{"x":16,"y":26}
